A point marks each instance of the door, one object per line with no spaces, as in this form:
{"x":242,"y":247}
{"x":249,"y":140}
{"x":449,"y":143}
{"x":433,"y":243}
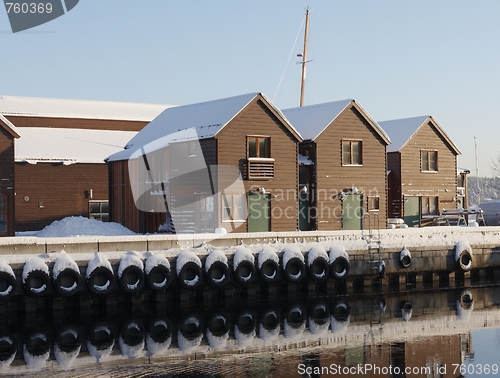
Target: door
{"x":412,"y":211}
{"x":352,"y":212}
{"x":258,"y":213}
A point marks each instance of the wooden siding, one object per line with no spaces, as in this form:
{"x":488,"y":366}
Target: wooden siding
{"x":258,"y":119}
{"x":77,"y":123}
{"x":47,"y":192}
{"x":122,"y":207}
{"x":7,"y":183}
{"x":394,"y":197}
{"x":369,"y":178}
{"x":442,"y":183}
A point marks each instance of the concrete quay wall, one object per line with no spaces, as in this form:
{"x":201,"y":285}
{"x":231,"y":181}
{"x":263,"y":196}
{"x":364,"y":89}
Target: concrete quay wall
{"x":371,"y":254}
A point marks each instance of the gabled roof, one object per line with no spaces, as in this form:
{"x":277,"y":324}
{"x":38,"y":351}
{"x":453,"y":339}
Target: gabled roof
{"x":67,"y":146}
{"x":402,"y":130}
{"x":194,"y":122}
{"x":312,"y":120}
{"x":8,"y":126}
{"x":86,"y":109}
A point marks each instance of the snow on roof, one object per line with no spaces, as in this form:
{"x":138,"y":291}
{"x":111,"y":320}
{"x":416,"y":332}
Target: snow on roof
{"x":191,"y":122}
{"x":312,"y":120}
{"x":402,"y":130}
{"x":69,"y":108}
{"x":68,"y":146}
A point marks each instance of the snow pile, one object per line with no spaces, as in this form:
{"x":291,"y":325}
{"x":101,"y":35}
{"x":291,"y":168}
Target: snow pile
{"x":32,"y":264}
{"x":316,"y":251}
{"x":63,"y":261}
{"x":128,"y":259}
{"x":462,"y":245}
{"x":337,"y":251}
{"x":98,"y":260}
{"x":185,"y":257}
{"x":242,"y":254}
{"x":214,"y":256}
{"x":80,"y":226}
{"x":155,"y":260}
{"x":267,"y":253}
{"x":292,"y":251}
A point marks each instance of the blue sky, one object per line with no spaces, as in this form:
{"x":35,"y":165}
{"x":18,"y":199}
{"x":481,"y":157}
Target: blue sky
{"x":396,"y":58}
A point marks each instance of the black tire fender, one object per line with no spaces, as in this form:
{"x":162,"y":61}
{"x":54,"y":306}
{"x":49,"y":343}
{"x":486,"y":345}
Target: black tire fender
{"x":36,"y":283}
{"x":8,"y":285}
{"x":340,"y":267}
{"x":190,"y":276}
{"x":159,"y":278}
{"x":132,"y":279}
{"x":67,"y":282}
{"x":218,"y":274}
{"x":100,"y":280}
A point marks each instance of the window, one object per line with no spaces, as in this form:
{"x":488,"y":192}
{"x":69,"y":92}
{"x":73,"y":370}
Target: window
{"x":260,"y":165}
{"x":351,"y":152}
{"x":373,"y":203}
{"x":258,"y":147}
{"x":99,"y":210}
{"x":429,"y":161}
{"x":429,"y":205}
{"x":234,"y":207}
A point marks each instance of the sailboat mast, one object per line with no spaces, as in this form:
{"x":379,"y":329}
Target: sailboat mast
{"x":304,"y":59}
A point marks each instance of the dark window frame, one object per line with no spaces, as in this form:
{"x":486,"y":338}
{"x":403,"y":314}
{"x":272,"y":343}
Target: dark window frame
{"x":101,"y":214}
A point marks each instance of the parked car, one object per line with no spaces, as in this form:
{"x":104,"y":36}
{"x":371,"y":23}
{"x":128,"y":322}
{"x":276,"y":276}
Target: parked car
{"x":491,"y":212}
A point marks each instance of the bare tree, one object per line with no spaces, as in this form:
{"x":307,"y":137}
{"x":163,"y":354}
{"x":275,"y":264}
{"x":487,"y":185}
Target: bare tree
{"x":495,"y":166}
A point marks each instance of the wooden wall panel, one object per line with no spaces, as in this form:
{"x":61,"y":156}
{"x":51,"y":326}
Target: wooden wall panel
{"x":442,"y":183}
{"x":7,"y":183}
{"x":46,"y":192}
{"x":369,"y":178}
{"x":257,"y":119}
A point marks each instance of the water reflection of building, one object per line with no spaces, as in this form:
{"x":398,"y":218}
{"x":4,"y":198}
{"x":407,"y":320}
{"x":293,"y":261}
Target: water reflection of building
{"x":328,"y":334}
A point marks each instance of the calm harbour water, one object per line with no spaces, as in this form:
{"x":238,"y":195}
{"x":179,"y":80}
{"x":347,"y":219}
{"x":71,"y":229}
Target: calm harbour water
{"x":431,"y":333}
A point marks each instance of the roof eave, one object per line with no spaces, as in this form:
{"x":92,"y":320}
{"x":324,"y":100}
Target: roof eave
{"x":378,"y":129}
{"x":9,"y":126}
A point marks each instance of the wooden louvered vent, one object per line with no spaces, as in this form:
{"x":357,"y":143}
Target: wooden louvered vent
{"x":260,"y":168}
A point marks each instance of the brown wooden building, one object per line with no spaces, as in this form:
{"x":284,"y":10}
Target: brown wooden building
{"x":58,"y":162}
{"x":343,"y":166}
{"x":8,"y":133}
{"x":229,"y":163}
{"x":422,"y":170}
